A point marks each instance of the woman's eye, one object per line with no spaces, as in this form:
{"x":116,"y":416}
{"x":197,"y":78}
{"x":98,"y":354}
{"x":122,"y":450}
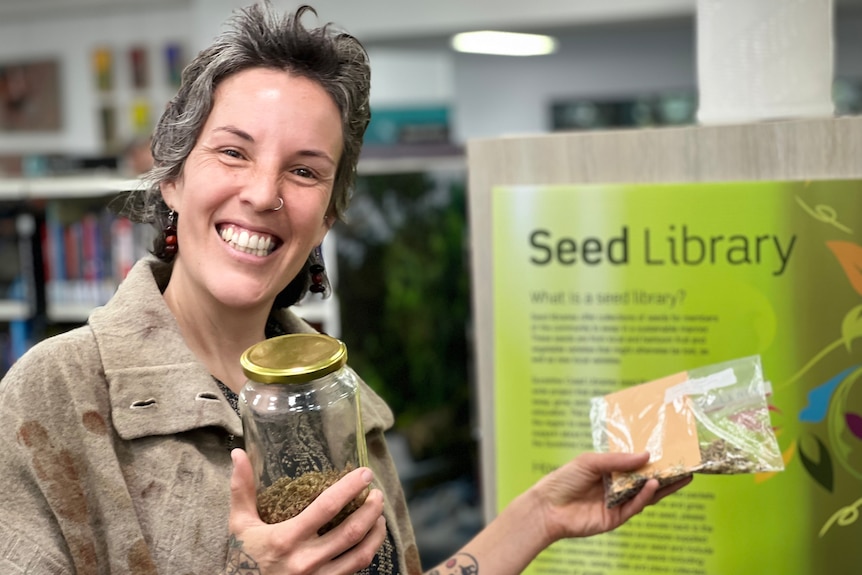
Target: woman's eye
{"x":232,"y":153}
{"x":303,"y":173}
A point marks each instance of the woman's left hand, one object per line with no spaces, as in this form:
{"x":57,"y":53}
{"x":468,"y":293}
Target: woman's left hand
{"x":572,"y":497}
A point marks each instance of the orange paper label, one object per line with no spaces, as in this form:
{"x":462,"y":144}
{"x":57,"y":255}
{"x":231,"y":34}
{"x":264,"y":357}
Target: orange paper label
{"x":640,"y":419}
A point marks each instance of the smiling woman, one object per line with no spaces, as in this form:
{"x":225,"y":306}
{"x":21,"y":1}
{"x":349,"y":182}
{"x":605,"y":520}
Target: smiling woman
{"x":284,"y":154}
{"x":121,"y":435}
{"x":253,"y":162}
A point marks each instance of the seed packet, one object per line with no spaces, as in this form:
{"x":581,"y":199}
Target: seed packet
{"x":713,"y":419}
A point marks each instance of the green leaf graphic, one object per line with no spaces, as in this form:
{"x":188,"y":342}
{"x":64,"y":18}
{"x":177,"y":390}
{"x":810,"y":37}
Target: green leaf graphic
{"x":820,"y":467}
{"x":851,"y":326}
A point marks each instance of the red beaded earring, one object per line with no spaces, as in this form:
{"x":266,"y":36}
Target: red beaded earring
{"x":319,"y":280}
{"x":170,"y":232}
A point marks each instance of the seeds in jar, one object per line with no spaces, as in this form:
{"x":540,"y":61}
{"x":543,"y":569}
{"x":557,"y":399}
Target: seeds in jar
{"x":287,"y":497}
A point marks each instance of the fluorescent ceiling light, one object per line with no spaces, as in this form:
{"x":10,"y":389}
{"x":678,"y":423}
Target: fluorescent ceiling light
{"x":504,"y":43}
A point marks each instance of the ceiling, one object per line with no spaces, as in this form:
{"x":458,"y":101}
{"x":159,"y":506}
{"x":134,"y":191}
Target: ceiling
{"x":11,"y":10}
{"x":385,"y":22}
{"x":383,"y":18}
{"x":396,"y":20}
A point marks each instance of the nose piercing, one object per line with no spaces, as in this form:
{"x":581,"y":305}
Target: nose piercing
{"x":280,"y":204}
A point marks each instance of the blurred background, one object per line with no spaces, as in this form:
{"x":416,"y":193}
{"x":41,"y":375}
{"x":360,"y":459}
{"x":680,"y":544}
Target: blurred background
{"x":82,"y":83}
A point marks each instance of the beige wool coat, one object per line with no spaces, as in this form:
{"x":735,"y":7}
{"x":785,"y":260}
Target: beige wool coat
{"x":114,"y":448}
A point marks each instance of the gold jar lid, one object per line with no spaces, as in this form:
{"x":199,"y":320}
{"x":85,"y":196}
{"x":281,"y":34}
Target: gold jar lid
{"x":293,"y":358}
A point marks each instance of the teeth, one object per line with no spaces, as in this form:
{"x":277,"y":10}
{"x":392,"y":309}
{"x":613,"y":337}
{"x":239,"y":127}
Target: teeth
{"x":241,"y":240}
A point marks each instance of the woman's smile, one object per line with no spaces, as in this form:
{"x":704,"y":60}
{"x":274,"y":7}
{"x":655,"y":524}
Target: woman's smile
{"x":247,"y":241}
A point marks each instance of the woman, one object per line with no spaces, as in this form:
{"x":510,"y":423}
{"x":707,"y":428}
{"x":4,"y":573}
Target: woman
{"x":120,"y":432}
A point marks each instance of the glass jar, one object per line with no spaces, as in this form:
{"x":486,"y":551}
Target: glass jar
{"x":301,"y":421}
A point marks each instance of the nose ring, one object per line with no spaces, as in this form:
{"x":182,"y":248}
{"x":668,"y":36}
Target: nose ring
{"x":280,"y":204}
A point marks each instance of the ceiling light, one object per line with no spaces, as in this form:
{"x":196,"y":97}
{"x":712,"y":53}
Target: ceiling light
{"x":504,"y":43}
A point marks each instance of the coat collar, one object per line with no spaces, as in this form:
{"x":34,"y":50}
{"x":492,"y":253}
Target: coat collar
{"x":156,"y":385}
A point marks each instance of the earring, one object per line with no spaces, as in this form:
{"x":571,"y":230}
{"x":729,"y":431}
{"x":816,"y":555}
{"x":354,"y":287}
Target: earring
{"x":170,"y":233}
{"x":319,"y":280}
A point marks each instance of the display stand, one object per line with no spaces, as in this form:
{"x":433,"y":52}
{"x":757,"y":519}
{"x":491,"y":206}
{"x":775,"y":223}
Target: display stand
{"x":781,"y":151}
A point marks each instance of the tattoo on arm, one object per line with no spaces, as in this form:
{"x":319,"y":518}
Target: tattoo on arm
{"x":238,"y":561}
{"x":460,"y":564}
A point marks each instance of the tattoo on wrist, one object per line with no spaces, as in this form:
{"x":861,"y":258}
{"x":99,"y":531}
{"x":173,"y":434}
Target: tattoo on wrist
{"x":459,"y":564}
{"x":238,"y":561}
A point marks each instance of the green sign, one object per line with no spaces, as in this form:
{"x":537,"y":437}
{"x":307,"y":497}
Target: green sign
{"x":600,"y":287}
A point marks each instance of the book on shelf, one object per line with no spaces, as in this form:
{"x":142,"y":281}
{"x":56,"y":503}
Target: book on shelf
{"x":14,"y":262}
{"x":87,"y":252}
{"x":10,"y":264}
{"x":15,"y":342}
{"x":16,"y":285}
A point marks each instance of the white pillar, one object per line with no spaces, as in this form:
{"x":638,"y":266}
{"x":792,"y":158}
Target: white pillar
{"x":764,"y":60}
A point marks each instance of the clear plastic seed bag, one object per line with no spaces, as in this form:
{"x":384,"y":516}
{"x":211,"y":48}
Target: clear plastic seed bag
{"x":713,"y":419}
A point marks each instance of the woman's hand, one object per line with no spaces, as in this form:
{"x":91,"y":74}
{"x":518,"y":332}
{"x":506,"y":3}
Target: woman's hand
{"x":568,"y":502}
{"x":293,"y":547}
{"x":572,"y":497}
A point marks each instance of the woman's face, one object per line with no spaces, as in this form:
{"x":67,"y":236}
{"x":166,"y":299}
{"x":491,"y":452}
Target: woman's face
{"x":269,"y":135}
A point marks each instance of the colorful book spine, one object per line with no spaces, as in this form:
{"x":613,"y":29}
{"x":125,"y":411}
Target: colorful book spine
{"x":87,"y":252}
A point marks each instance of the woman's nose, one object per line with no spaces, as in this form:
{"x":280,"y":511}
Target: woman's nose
{"x":263,"y":191}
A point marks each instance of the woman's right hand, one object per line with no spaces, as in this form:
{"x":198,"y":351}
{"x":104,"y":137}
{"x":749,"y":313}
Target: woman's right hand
{"x":293,"y":547}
